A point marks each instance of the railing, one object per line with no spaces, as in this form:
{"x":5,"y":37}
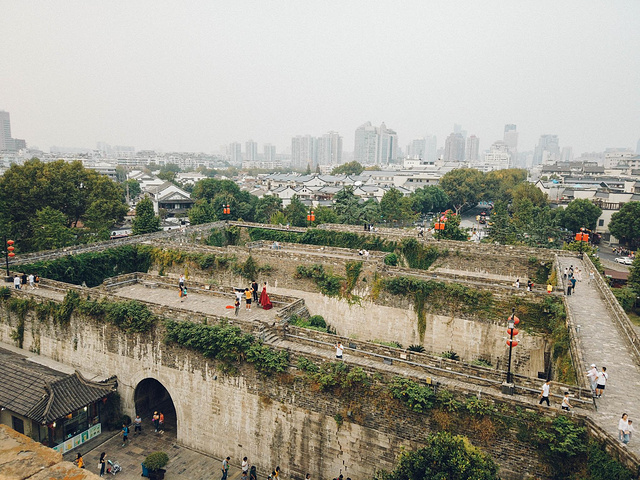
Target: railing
{"x":622,"y":320}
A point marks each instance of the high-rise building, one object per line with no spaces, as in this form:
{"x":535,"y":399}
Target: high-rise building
{"x":366,"y":144}
{"x":417,"y":148}
{"x":454,"y":148}
{"x":511,"y":140}
{"x":431,"y":148}
{"x":235,"y":153}
{"x":269,"y":152}
{"x":387,"y":145}
{"x":251,"y":151}
{"x":375,"y":146}
{"x":473,"y":148}
{"x":498,"y":157}
{"x":304,"y":150}
{"x":330,"y":149}
{"x":547,"y":151}
{"x":6,"y":142}
{"x":567,"y":154}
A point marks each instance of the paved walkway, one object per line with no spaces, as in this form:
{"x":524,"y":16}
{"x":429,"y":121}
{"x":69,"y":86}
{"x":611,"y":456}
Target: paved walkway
{"x":183,"y":462}
{"x":604,"y":346}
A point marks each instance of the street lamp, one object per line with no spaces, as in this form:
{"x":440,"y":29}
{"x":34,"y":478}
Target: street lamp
{"x":512,"y":321}
{"x":582,"y":238}
{"x":8,"y":252}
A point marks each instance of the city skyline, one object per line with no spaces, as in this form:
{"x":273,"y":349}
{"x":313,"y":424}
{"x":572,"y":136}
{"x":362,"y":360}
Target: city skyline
{"x":180,"y":80}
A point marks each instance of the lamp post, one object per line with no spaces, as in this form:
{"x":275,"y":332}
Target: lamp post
{"x":582,"y":238}
{"x":8,"y":252}
{"x":512,"y":321}
{"x":311,"y":217}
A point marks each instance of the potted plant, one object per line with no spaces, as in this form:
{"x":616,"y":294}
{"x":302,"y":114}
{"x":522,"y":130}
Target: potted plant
{"x":154,"y":463}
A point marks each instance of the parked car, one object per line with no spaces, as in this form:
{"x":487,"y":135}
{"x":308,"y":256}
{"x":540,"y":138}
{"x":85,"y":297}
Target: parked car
{"x":624,"y":260}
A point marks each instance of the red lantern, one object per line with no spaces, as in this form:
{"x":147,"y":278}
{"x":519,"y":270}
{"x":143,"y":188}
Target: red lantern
{"x":11,"y":249}
{"x":514,"y":319}
{"x":11,"y":254}
{"x":10,"y":242}
{"x":512,"y":343}
{"x":515,"y":331}
{"x":313,"y":216}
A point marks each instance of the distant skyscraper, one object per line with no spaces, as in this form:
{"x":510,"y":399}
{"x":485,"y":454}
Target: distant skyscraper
{"x":5,"y":131}
{"x":473,"y":148}
{"x":417,"y":148}
{"x":235,"y":153}
{"x":454,"y":148}
{"x":431,"y":148}
{"x":366,"y":144}
{"x":330,"y":149}
{"x":498,"y":157}
{"x":304,"y":152}
{"x":251,"y":149}
{"x":387,"y":145}
{"x":547,"y":151}
{"x":567,"y":154}
{"x":511,"y":140}
{"x":269,"y":152}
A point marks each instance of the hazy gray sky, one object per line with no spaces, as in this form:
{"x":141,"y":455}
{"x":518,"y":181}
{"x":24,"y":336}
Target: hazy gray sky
{"x":193,"y":75}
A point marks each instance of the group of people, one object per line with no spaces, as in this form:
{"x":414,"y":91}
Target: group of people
{"x":368,"y":227}
{"x":250,"y":294}
{"x":21,"y":281}
{"x":249,"y":472}
{"x":529,"y":284}
{"x":363,"y":253}
{"x":572,"y":276}
{"x":625,"y":429}
{"x":102,"y":464}
{"x":544,"y":397}
{"x":597,"y":379}
{"x":623,"y":251}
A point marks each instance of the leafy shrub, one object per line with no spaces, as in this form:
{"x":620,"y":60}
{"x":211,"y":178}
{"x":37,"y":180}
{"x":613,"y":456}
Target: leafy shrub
{"x":626,"y":297}
{"x":450,"y":354}
{"x":266,"y":360}
{"x":391,"y":259}
{"x":416,"y":348}
{"x":5,"y":293}
{"x":482,"y":362}
{"x":63,"y":313}
{"x":418,"y":398}
{"x":392,"y":344}
{"x":479,"y":407}
{"x":130,"y":316}
{"x":318,"y":321}
{"x":155,"y":461}
{"x":419,"y":255}
{"x":307,"y":365}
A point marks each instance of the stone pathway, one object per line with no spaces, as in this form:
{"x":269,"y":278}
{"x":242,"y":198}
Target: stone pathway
{"x":603,"y":345}
{"x":183,"y":462}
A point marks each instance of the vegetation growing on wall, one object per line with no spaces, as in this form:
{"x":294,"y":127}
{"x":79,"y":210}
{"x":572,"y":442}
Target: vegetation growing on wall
{"x":227,"y":344}
{"x":418,"y":255}
{"x":333,"y":285}
{"x":92,"y":268}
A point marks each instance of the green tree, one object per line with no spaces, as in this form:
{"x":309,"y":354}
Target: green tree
{"x":146,"y":221}
{"x":579,"y":213}
{"x":209,"y":188}
{"x":370,"y":211}
{"x":202,"y":212}
{"x":133,"y":186}
{"x":463,"y":186}
{"x":500,"y":184}
{"x":394,"y":207}
{"x":266,"y":207}
{"x":351,"y":168}
{"x":296,"y":212}
{"x":325,"y":215}
{"x":50,"y":230}
{"x":347,"y":206}
{"x":445,"y":457}
{"x":501,"y":229}
{"x":429,"y":199}
{"x":625,"y":224}
{"x":634,"y":275}
{"x":83,"y":196}
{"x":452,"y":229}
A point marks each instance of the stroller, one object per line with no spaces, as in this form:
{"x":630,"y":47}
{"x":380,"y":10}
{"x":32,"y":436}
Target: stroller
{"x":113,"y":467}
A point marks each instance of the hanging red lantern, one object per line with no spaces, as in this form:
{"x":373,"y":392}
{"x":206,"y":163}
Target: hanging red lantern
{"x":11,"y":249}
{"x":10,"y":242}
{"x":313,"y":216}
{"x":515,"y":331}
{"x":11,"y":254}
{"x":514,"y":319}
{"x":512,"y":343}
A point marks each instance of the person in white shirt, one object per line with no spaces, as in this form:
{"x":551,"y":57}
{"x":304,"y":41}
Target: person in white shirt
{"x":592,"y":375}
{"x":631,"y":429}
{"x":245,"y":468}
{"x":544,"y":394}
{"x":339,"y":350}
{"x":32,"y":281}
{"x":623,"y":429}
{"x":601,"y":382}
{"x":565,"y":402}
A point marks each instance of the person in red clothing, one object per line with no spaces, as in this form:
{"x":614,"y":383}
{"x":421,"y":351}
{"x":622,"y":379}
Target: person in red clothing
{"x":264,"y":298}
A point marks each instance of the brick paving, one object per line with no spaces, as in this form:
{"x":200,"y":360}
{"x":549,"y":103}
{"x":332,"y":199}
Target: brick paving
{"x":603,"y":345}
{"x":183,"y":462}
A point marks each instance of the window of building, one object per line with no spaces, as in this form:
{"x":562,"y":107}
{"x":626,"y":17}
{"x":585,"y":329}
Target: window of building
{"x":600,"y":223}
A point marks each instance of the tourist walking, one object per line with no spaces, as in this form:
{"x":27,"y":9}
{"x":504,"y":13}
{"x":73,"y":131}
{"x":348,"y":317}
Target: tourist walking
{"x":155,"y":419}
{"x":16,"y":281}
{"x":24,"y":280}
{"x":225,"y":468}
{"x":601,"y":382}
{"x":565,"y":402}
{"x":339,"y":350}
{"x":181,"y":282}
{"x":573,"y":284}
{"x":79,"y":461}
{"x":517,"y":284}
{"x":592,"y":276}
{"x":32,"y":280}
{"x":566,"y":272}
{"x":161,"y":422}
{"x":253,"y":475}
{"x":237,"y":305}
{"x":137,"y":425}
{"x":623,"y":429}
{"x":631,"y":429}
{"x":125,"y":434}
{"x":592,"y":375}
{"x":544,"y":393}
{"x":102,"y":463}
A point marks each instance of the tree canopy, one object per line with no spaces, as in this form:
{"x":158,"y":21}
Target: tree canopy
{"x":82,"y":196}
{"x":625,"y":224}
{"x":351,"y":168}
{"x":446,"y":457}
{"x":463,"y":186}
{"x":146,"y":220}
{"x":579,"y":213}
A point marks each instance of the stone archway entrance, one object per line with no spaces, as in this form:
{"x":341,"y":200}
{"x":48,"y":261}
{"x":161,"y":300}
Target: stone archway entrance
{"x":151,"y":396}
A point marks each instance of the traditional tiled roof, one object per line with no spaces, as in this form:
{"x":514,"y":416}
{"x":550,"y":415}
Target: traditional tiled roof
{"x":42,"y":393}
